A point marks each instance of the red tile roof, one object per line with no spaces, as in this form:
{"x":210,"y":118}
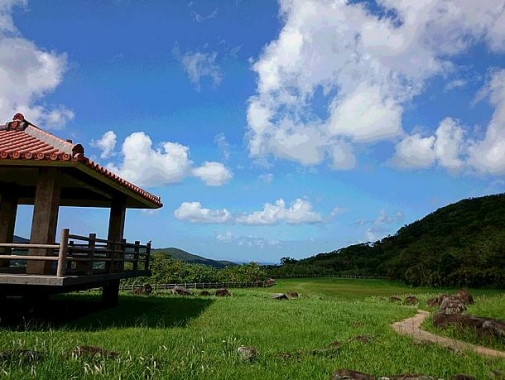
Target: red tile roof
{"x":21,"y":140}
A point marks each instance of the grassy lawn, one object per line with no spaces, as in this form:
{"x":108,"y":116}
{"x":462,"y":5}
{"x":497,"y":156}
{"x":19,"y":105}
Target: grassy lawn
{"x":171,"y":337}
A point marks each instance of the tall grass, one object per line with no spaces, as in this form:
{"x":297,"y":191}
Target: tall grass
{"x":171,"y":337}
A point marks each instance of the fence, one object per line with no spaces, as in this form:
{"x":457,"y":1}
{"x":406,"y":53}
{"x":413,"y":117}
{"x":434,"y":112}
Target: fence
{"x":86,"y":255}
{"x":204,"y":285}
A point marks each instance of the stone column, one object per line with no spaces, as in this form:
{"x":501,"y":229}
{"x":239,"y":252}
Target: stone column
{"x":45,"y":218}
{"x":8,"y":211}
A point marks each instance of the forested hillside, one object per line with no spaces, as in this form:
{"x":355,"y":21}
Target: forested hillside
{"x":462,"y":244}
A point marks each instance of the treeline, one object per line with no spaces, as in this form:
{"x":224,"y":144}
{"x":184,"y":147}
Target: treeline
{"x":165,"y":269}
{"x":462,"y":244}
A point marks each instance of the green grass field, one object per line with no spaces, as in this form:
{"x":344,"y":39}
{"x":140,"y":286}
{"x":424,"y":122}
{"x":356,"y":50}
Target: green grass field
{"x":172,"y":337}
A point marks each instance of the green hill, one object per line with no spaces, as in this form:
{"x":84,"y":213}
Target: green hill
{"x":179,"y":254}
{"x":462,"y":244}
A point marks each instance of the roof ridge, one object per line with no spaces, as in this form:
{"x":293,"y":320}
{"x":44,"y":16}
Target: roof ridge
{"x":55,"y":141}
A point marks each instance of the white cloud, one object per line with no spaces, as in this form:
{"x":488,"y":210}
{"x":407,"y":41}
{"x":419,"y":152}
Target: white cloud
{"x":169,"y":163}
{"x":27,"y":74}
{"x":300,"y":212}
{"x":338,"y":210}
{"x":193,"y":212}
{"x":106,"y":144}
{"x":383,"y":218}
{"x":368,"y":67}
{"x":456,"y":83}
{"x":415,"y":152}
{"x":226,"y":237}
{"x":213,"y":173}
{"x":220,"y":140}
{"x":266,"y":177}
{"x":199,"y":65}
{"x":198,"y":17}
{"x":144,"y":165}
{"x":488,"y":155}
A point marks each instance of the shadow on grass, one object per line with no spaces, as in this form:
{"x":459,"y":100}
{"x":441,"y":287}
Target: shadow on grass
{"x":86,"y":312}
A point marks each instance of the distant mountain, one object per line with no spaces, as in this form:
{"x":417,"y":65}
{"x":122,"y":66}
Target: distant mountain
{"x":179,"y":254}
{"x":461,"y":244}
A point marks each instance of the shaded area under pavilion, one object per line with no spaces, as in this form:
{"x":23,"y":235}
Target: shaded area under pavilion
{"x":40,"y":169}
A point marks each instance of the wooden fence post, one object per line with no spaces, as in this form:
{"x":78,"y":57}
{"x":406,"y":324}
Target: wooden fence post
{"x":148,"y":255}
{"x":91,"y":253}
{"x":136,"y":251}
{"x":62,"y":253}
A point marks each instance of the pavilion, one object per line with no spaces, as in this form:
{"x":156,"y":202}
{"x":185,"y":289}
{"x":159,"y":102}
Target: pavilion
{"x":40,"y":169}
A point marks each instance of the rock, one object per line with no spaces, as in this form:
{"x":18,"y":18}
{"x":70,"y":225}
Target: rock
{"x":279,"y":296}
{"x":411,"y":300}
{"x":347,"y":374}
{"x":462,"y":377}
{"x":25,"y":356}
{"x":436,"y":301}
{"x":406,"y":377}
{"x":395,"y":299}
{"x":93,"y":351}
{"x":465,"y":296}
{"x":146,"y":289}
{"x":362,"y":338}
{"x":269,"y":282}
{"x":181,"y":290}
{"x":483,"y":326}
{"x":246,"y":353}
{"x":451,"y":305}
{"x":292,"y":294}
{"x":205,"y":293}
{"x":223,"y":293}
{"x":497,"y":374}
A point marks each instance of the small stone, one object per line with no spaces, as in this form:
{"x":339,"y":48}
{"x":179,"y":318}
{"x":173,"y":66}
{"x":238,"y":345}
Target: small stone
{"x":347,"y":374}
{"x":462,"y":377}
{"x":411,"y":300}
{"x":292,"y":294}
{"x":205,"y":293}
{"x":465,"y":297}
{"x":223,"y":292}
{"x":25,"y":356}
{"x":181,"y":290}
{"x":395,"y":299}
{"x":279,"y":296}
{"x":246,"y":353}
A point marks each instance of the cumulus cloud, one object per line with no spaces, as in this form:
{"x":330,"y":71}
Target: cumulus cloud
{"x":195,"y":213}
{"x":384,"y":218}
{"x":213,"y":173}
{"x":446,"y":148}
{"x":199,"y":65}
{"x":368,"y":65}
{"x":28,"y":73}
{"x":169,"y":163}
{"x":488,"y":155}
{"x":106,"y":144}
{"x":220,"y":140}
{"x":299,"y":212}
{"x":266,"y":177}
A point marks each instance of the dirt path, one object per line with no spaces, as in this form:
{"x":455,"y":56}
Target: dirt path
{"x":410,"y":327}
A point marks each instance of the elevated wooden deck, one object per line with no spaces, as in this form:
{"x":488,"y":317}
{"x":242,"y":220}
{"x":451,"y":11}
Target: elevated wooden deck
{"x":76,"y":262}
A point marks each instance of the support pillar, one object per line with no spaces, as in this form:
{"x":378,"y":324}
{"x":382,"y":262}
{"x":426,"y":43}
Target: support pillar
{"x":8,"y":211}
{"x":45,"y":218}
{"x":117,"y":218}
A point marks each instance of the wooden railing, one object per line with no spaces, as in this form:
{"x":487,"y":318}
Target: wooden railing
{"x":85,"y":255}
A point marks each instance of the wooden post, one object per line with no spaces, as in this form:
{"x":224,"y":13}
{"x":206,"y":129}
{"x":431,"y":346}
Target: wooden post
{"x":117,"y":217}
{"x":45,"y":218}
{"x":148,"y":255}
{"x":91,"y":253}
{"x":8,"y":211}
{"x":62,"y":253}
{"x":136,"y":251}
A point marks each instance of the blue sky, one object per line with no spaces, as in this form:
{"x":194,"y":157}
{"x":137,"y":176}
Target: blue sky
{"x":269,"y":129}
